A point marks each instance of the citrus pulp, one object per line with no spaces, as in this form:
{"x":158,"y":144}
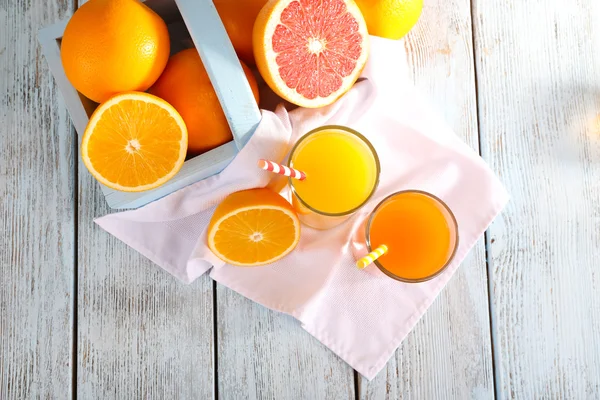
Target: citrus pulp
{"x":310,"y":52}
{"x":134,"y":142}
{"x":253,"y":227}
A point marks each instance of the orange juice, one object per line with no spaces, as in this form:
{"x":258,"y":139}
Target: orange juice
{"x":342,"y":172}
{"x":419,"y":231}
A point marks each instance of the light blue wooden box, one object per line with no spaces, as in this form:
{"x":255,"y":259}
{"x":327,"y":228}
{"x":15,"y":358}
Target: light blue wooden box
{"x":199,"y":21}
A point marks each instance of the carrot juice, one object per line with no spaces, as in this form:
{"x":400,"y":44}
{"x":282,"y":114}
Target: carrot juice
{"x":419,"y":231}
{"x":342,"y":172}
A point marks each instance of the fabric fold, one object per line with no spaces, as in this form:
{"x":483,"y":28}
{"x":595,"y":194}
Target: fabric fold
{"x":360,"y":315}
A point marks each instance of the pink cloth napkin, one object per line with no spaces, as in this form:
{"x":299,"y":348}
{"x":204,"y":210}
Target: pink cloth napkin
{"x":360,"y":315}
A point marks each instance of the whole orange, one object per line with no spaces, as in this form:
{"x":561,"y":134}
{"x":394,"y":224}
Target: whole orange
{"x":186,"y":86}
{"x":114,"y":46}
{"x":238,"y":16}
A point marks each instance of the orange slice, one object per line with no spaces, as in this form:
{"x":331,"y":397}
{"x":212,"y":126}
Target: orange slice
{"x":310,"y":52}
{"x":134,"y":142}
{"x":253,"y":227}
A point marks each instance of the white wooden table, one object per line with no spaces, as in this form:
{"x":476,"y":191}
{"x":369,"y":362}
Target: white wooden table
{"x":82,"y":314}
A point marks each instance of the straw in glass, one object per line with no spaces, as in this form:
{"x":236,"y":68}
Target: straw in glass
{"x":281,"y":169}
{"x":372,"y":256}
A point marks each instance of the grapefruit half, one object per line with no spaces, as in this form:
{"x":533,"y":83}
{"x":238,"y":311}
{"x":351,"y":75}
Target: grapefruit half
{"x":310,"y":52}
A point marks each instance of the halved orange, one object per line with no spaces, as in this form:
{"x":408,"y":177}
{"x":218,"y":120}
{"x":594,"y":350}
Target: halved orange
{"x":253,"y":227}
{"x":134,"y":142}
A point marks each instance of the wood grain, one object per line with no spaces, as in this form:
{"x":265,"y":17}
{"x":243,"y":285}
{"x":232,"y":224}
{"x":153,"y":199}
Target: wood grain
{"x":538,"y":70}
{"x":141,"y":333}
{"x":448,"y":354}
{"x":263,"y":354}
{"x":36,"y":203}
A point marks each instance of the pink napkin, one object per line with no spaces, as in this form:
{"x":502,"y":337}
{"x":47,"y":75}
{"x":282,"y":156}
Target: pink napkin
{"x":360,"y":315}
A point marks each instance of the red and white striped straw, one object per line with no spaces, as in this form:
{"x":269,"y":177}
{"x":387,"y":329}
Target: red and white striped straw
{"x":281,"y":169}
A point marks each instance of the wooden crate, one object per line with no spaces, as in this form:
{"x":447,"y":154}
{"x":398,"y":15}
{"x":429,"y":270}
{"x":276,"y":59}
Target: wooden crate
{"x":191,"y":23}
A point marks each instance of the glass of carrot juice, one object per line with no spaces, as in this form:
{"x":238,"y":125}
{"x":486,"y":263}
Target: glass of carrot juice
{"x":412,"y":236}
{"x":342,"y":173}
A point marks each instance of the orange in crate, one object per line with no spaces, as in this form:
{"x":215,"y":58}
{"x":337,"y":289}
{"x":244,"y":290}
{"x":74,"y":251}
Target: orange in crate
{"x":114,"y":46}
{"x":187,"y":87}
{"x":238,"y":17}
{"x":199,"y":21}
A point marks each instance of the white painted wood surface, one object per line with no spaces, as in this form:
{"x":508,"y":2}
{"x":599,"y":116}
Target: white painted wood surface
{"x":449,"y":353}
{"x":141,"y":334}
{"x":263,"y":354}
{"x":538,"y":73}
{"x":36,"y":217}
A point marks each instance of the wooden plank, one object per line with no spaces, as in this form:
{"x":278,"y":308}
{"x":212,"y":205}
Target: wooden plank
{"x":448,"y":354}
{"x":538,"y":70}
{"x":263,"y":354}
{"x":141,"y":333}
{"x":36,"y":203}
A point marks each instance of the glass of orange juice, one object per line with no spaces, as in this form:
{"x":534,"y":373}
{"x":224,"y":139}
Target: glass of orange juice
{"x":412,"y":236}
{"x":342,"y":172}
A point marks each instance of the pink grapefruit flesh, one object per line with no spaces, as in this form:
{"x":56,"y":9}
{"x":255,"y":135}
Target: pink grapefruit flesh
{"x":310,"y":52}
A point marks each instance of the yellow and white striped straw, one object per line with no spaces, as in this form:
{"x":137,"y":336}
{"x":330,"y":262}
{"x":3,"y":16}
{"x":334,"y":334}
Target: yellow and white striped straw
{"x":372,"y":256}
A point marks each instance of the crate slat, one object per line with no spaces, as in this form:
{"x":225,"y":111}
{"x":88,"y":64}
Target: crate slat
{"x":224,"y":69}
